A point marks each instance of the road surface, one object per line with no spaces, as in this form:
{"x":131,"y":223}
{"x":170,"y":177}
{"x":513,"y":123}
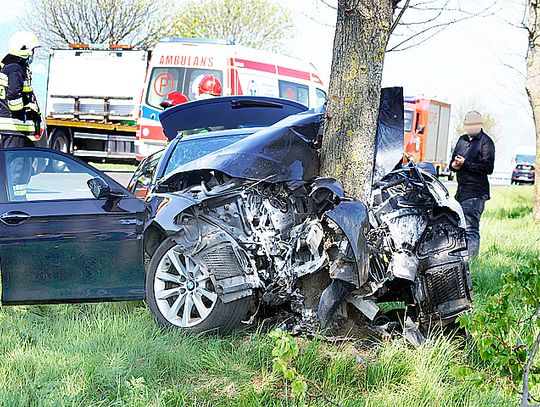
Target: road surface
{"x":122,"y":177}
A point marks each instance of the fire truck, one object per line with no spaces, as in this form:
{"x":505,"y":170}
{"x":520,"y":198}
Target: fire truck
{"x":427,"y":124}
{"x":104,"y":102}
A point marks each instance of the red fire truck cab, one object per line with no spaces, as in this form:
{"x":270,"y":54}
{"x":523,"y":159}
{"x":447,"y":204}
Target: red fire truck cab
{"x":427,"y":124}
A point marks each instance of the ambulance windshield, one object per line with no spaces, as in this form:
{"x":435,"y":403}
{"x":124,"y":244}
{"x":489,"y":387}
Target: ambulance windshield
{"x":165,"y":80}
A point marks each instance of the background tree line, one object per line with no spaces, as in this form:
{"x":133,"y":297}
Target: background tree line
{"x":141,"y":23}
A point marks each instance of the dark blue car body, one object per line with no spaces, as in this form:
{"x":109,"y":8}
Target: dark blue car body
{"x":59,"y":243}
{"x":58,"y":247}
{"x":199,"y":128}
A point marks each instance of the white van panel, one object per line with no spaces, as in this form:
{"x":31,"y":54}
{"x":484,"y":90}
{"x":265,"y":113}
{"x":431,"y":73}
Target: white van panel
{"x":95,"y":74}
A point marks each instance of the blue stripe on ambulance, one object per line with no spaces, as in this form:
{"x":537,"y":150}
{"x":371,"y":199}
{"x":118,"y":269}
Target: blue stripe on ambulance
{"x":150,"y":113}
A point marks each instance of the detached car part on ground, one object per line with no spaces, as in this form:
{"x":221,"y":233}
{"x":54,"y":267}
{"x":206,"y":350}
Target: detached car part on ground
{"x":250,"y":227}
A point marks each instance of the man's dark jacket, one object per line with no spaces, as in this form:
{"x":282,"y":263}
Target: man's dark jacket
{"x":472,"y":178}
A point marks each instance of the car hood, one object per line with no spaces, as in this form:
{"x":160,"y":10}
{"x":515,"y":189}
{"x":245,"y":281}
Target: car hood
{"x":289,"y":149}
{"x":285,"y":151}
{"x":227,"y":112}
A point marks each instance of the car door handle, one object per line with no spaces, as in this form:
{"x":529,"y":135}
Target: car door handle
{"x":14,"y":218}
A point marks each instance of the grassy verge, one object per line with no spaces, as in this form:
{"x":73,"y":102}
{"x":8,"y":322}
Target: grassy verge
{"x":114,"y":355}
{"x":124,"y":167}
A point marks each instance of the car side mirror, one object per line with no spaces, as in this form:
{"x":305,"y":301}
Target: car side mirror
{"x":100,"y":188}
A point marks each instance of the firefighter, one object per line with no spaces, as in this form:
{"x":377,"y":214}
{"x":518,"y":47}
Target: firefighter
{"x":19,"y":171}
{"x":19,"y":112}
{"x":209,"y":86}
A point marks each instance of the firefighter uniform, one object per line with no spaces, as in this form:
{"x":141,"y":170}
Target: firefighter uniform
{"x":19,"y":112}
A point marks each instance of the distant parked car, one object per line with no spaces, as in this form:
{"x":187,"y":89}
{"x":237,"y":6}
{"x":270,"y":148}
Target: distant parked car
{"x":523,"y":174}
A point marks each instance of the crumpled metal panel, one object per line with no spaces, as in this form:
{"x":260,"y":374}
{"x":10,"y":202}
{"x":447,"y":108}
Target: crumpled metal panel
{"x":227,"y":112}
{"x":390,"y":133}
{"x":283,"y":152}
{"x":352,"y":218}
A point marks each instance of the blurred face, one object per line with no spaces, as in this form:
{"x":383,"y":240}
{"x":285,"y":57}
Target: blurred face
{"x":473,"y":124}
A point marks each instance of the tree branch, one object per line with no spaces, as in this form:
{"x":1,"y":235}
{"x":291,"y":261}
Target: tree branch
{"x":438,"y":27}
{"x":399,"y":16}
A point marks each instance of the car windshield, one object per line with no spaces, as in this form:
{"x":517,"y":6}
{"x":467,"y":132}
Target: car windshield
{"x":144,"y":174}
{"x":189,"y":150}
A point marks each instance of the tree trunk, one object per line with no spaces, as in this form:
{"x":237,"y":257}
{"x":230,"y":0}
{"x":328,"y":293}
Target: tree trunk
{"x":360,"y":41}
{"x":532,"y":85}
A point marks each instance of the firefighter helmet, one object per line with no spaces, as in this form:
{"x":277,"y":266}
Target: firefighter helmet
{"x":23,"y":43}
{"x":173,"y":99}
{"x":210,"y":85}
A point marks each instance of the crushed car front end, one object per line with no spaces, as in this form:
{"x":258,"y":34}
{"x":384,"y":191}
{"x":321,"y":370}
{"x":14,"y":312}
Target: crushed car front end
{"x":250,"y":228}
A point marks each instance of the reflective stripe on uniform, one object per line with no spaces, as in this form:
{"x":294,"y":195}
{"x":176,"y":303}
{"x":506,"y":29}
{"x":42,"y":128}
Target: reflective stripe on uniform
{"x":3,"y":79}
{"x":17,"y":125}
{"x":27,"y":87}
{"x":19,"y":190}
{"x":16,"y":104}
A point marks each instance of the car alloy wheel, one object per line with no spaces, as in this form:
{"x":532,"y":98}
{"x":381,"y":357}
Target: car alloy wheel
{"x":183,"y":290}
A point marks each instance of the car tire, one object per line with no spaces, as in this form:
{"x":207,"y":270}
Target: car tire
{"x":168,"y":289}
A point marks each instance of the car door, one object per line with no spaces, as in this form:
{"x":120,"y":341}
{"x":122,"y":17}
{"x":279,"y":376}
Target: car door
{"x":58,"y":243}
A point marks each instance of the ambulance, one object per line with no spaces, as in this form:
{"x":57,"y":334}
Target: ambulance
{"x":178,"y":65}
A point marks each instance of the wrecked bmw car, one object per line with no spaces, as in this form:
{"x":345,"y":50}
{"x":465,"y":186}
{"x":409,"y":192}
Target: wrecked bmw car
{"x":251,"y":226}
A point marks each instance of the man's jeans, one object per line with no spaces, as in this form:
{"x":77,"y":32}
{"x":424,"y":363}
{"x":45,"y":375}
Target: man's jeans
{"x":473,"y":208}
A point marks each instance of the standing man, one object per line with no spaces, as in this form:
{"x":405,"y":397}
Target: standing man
{"x":473,"y":160}
{"x":19,"y":112}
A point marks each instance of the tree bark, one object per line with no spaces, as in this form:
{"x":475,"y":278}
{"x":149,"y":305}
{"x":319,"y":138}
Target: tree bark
{"x":360,"y":41}
{"x":532,"y":85}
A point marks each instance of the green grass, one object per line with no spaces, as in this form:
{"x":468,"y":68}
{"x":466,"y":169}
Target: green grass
{"x":114,"y":355}
{"x":509,"y":238}
{"x":114,"y":166}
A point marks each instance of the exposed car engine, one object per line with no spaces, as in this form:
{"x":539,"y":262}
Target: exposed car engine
{"x":286,"y":244}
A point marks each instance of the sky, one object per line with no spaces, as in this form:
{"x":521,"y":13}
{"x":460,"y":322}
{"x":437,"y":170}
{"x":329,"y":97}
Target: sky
{"x":467,"y":63}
